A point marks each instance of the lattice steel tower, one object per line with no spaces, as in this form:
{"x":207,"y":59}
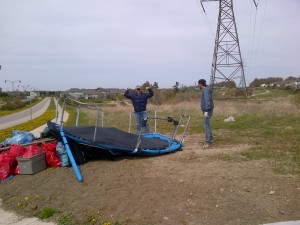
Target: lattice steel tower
{"x":227,"y":64}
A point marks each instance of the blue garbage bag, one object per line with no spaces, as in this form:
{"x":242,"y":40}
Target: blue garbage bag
{"x":19,"y":137}
{"x":62,"y":154}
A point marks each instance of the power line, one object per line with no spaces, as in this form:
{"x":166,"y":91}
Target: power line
{"x":249,"y":34}
{"x":255,"y":41}
{"x":207,"y":22}
{"x":260,"y":32}
{"x":253,"y":34}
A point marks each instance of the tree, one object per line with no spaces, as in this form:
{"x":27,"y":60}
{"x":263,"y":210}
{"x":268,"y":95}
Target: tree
{"x":155,"y":85}
{"x":228,"y":84}
{"x":291,"y":79}
{"x":176,"y":87}
{"x":146,"y":84}
{"x":258,"y":82}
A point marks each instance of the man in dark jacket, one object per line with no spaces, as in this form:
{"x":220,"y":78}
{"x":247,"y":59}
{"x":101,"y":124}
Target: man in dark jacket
{"x":139,"y":101}
{"x":207,"y":107}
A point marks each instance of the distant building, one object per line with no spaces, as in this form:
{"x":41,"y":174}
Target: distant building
{"x":93,"y":93}
{"x":76,"y":95}
{"x":32,"y":94}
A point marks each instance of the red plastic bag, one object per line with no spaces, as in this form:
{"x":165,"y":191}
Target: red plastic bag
{"x":16,"y":171}
{"x":3,"y":155}
{"x":16,"y":150}
{"x":52,"y":159}
{"x":4,"y":170}
{"x":7,"y":165}
{"x":32,"y":150}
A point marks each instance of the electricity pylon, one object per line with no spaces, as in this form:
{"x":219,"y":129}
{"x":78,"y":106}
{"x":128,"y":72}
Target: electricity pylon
{"x":227,"y":64}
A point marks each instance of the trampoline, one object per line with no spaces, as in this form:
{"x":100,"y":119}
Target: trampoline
{"x":110,"y":140}
{"x":116,"y":141}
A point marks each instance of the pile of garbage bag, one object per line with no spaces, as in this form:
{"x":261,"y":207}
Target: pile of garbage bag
{"x":56,"y":156}
{"x":19,"y":137}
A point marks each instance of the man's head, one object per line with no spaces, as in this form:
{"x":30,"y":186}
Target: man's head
{"x":138,"y":88}
{"x":202,"y":83}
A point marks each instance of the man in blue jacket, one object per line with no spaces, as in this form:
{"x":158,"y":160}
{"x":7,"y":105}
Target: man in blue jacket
{"x":207,"y":107}
{"x":139,"y":101}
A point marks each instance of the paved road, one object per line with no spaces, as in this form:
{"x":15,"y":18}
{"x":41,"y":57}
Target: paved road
{"x":37,"y":132}
{"x":25,"y":115}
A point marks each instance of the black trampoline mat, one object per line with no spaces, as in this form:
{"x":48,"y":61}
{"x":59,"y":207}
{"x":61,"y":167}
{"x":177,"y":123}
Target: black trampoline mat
{"x":113,"y":137}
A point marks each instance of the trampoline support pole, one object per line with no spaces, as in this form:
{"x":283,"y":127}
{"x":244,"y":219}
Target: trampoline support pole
{"x":74,"y":165}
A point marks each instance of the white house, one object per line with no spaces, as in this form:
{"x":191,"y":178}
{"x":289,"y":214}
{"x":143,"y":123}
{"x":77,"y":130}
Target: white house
{"x":32,"y":94}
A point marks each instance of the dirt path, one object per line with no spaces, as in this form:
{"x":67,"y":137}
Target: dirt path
{"x":266,"y":92}
{"x":192,"y":187}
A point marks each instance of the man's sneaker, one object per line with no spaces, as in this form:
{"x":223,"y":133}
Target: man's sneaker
{"x":206,"y":146}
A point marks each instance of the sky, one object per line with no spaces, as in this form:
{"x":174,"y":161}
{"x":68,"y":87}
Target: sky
{"x":63,"y":44}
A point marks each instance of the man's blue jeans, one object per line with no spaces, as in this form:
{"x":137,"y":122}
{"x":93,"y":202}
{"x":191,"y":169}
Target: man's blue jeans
{"x":139,"y":116}
{"x":208,"y":133}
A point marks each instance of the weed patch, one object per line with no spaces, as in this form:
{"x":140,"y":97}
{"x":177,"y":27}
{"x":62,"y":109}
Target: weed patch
{"x":46,"y":213}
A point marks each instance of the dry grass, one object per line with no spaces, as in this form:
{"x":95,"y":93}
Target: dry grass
{"x":253,"y":112}
{"x":271,"y":128}
{"x":118,"y":115}
{"x":276,"y":107}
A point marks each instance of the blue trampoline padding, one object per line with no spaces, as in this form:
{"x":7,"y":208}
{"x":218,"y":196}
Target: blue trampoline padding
{"x":175,"y":145}
{"x":118,"y":141}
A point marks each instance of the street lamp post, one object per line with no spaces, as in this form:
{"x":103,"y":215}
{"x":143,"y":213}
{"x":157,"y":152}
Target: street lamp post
{"x":30,"y":109}
{"x":30,"y":89}
{"x":25,"y":87}
{"x":12,"y":83}
{"x":13,"y":87}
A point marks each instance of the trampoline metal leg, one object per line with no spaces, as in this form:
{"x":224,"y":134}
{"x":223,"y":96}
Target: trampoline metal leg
{"x":138,"y":143}
{"x":74,"y":165}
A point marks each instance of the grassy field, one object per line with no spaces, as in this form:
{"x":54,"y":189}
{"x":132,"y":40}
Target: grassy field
{"x":266,"y":128}
{"x":268,"y":122}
